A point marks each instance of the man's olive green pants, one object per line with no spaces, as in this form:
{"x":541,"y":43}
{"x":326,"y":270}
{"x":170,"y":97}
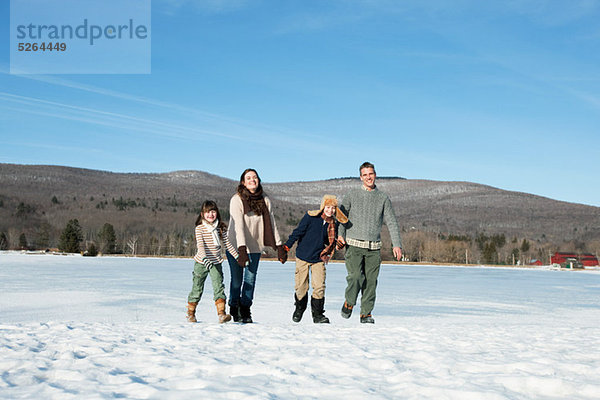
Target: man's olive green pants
{"x":363,"y":270}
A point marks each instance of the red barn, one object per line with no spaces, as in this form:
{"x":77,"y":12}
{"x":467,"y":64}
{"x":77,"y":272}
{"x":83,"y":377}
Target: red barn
{"x":586,"y":259}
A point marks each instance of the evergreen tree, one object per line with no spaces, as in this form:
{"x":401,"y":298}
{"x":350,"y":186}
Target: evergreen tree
{"x":43,"y":238}
{"x":515,"y":254}
{"x":108,"y":239}
{"x":525,"y":246}
{"x":499,"y":240}
{"x":91,"y":251}
{"x":24,"y":209}
{"x":481,"y":240}
{"x":3,"y":241}
{"x":23,"y":242}
{"x":490,"y":256}
{"x":71,"y":237}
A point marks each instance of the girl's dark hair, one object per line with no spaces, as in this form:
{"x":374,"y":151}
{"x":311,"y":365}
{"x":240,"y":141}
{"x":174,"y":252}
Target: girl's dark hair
{"x":241,"y":187}
{"x":207,"y":206}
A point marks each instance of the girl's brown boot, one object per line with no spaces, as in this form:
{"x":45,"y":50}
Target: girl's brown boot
{"x":223,"y":317}
{"x":191,"y":311}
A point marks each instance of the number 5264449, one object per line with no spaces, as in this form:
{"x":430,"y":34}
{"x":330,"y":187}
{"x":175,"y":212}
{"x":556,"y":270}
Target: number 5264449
{"x":49,"y":46}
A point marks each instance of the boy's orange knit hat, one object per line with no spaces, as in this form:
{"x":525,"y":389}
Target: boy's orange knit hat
{"x":330,"y":200}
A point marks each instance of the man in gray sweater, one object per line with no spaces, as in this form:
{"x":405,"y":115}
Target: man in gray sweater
{"x":367,"y":208}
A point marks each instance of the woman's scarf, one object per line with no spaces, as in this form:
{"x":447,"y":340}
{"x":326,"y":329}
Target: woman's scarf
{"x":256,"y":202}
{"x":328,"y":251}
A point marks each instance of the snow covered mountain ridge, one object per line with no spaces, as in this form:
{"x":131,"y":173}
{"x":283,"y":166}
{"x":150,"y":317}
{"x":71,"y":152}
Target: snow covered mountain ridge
{"x":55,"y":194}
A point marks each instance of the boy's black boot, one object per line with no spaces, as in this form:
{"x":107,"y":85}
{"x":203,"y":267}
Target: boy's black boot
{"x":246,"y":314}
{"x":300,"y":307}
{"x":317,"y":306}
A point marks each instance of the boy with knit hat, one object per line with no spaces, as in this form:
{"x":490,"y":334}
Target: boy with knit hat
{"x":316,"y":235}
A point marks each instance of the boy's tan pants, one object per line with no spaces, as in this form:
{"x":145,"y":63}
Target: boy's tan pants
{"x":318,"y":273}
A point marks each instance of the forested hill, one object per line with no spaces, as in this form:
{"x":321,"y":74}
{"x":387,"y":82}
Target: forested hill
{"x":35,"y":197}
{"x":464,"y":208}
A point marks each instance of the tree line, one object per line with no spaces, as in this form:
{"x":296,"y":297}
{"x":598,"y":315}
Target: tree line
{"x":418,"y":246}
{"x":71,"y":240}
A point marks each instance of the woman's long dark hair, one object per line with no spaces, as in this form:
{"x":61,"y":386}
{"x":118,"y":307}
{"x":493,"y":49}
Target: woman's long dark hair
{"x":241,"y":188}
{"x":255,"y":199}
{"x":207,"y":206}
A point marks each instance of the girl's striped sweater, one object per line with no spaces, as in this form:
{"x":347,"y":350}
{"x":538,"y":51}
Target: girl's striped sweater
{"x":208,"y":249}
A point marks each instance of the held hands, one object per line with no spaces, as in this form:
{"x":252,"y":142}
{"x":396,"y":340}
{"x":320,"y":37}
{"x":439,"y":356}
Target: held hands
{"x":340,"y":243}
{"x":397,"y":253}
{"x":282,"y":253}
{"x":207,"y":263}
{"x":243,"y":259}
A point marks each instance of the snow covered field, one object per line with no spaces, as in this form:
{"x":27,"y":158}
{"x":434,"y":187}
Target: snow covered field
{"x":75,"y":327}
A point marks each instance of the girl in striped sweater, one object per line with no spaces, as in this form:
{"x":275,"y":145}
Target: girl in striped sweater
{"x":211,"y":236}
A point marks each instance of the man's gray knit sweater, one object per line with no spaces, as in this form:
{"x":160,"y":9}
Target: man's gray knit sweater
{"x":366,"y":211}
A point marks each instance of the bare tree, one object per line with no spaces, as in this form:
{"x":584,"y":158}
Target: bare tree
{"x":132,"y":244}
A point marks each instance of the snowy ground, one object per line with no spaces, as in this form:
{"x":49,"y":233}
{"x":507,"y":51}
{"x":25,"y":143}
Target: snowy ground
{"x":75,"y":327}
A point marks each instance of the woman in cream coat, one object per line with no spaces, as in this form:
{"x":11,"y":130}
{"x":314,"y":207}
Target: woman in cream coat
{"x":252,"y":228}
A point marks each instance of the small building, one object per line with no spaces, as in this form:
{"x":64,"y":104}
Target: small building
{"x":536,"y":262}
{"x":585,"y":260}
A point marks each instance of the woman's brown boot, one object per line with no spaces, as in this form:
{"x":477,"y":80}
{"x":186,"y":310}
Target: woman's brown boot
{"x":223,"y":317}
{"x":191,"y":315}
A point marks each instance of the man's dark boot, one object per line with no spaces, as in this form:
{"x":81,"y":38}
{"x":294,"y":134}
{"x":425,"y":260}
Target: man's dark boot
{"x":246,"y":314}
{"x":317,"y":306}
{"x":235,"y":313}
{"x":300,"y":307}
{"x":346,"y":310}
{"x":367,"y":319}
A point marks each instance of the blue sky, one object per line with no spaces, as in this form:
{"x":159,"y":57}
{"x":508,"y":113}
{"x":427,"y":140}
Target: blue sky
{"x":504,"y":93}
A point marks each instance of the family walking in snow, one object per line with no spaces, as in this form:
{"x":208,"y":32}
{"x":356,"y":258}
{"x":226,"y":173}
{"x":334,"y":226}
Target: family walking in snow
{"x":355,"y":224}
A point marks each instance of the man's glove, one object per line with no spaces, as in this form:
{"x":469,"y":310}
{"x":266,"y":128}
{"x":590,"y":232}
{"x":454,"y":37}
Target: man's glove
{"x":243,"y":259}
{"x":282,"y":253}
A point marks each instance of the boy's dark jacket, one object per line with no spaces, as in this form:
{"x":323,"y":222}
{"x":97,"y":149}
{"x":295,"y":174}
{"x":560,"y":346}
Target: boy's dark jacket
{"x":311,"y":234}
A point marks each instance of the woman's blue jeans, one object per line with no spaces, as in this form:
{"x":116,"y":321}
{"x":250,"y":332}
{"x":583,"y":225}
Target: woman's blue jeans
{"x":241,"y":288}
